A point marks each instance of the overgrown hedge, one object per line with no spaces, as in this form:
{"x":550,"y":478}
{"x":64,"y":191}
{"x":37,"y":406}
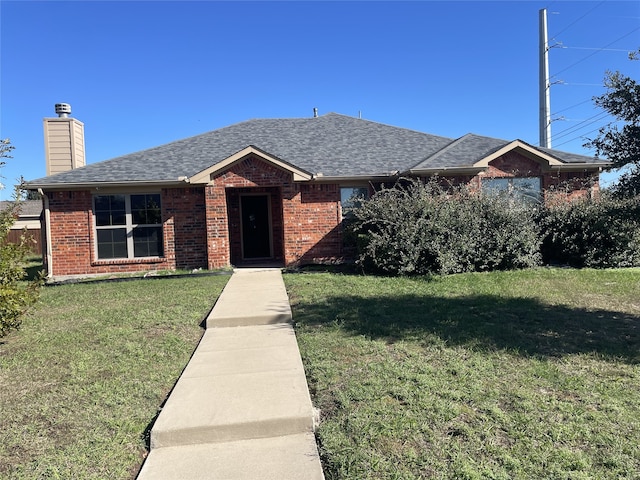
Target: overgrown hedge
{"x":592,"y":233}
{"x":415,"y":228}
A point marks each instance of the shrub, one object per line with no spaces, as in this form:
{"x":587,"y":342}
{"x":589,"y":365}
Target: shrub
{"x":592,"y":233}
{"x":415,"y":228}
{"x":15,"y":294}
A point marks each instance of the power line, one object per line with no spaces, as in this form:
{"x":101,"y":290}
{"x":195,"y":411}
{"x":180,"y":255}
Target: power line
{"x":576,"y":21}
{"x":582,"y":136}
{"x":581,"y":125}
{"x":560,"y":45}
{"x":572,"y":106}
{"x":592,"y":54}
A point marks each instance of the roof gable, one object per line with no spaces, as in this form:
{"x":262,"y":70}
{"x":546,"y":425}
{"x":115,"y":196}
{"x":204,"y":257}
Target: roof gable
{"x":520,"y":147}
{"x":207,"y":174}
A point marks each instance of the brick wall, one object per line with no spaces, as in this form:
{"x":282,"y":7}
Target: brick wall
{"x":313,"y":224}
{"x":557,"y":186}
{"x":305,"y":218}
{"x":72,"y":234}
{"x":185,"y":226}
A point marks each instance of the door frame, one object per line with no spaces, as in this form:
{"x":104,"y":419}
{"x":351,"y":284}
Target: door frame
{"x":269,"y":220}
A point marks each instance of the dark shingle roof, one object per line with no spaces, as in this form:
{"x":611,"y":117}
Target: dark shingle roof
{"x":463,"y":152}
{"x":332,"y":144}
{"x":28,"y":208}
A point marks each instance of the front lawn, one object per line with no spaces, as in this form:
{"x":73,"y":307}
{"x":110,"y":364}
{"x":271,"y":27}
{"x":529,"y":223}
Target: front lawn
{"x":507,"y":375}
{"x":82,"y":380}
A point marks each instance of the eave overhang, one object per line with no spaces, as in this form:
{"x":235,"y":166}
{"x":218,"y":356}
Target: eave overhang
{"x":206,"y":176}
{"x":447,"y":171}
{"x":580,"y":167}
{"x":98,"y":185}
{"x":320,"y":178}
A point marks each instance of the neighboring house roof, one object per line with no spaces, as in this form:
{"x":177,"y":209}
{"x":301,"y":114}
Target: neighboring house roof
{"x":28,"y":208}
{"x":328,"y":146}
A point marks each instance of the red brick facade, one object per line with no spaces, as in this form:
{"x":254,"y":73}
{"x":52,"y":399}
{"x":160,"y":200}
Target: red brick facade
{"x":202,"y":224}
{"x":73,"y":243}
{"x":556,"y":186}
{"x":305,"y":219}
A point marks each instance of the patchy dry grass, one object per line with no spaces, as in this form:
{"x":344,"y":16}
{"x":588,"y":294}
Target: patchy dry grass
{"x":82,"y":380}
{"x":511,"y":375}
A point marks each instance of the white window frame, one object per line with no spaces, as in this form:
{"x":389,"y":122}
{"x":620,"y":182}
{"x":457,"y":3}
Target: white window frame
{"x":129,"y":226}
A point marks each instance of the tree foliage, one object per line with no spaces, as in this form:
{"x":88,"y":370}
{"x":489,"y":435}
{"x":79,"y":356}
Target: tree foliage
{"x":619,"y":141}
{"x":16,"y":294}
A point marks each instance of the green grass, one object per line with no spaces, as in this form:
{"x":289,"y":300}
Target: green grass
{"x":83,"y":379}
{"x":509,"y":375}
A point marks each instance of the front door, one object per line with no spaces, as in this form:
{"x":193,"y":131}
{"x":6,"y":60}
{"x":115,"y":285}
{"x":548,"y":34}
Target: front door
{"x":256,"y":226}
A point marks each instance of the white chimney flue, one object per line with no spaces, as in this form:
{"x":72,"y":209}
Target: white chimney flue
{"x":63,"y":110}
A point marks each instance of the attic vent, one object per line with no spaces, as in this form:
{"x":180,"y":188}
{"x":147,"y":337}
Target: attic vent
{"x":63,"y":109}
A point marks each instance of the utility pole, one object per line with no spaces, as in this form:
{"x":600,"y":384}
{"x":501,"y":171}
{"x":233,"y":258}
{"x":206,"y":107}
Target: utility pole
{"x":545,"y":86}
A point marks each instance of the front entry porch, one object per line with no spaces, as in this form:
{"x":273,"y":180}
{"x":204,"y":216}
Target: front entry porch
{"x":255,"y":226}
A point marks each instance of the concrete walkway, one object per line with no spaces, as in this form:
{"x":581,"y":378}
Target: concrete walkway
{"x":241,"y":409}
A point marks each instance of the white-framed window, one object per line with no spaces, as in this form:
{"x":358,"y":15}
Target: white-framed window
{"x":351,"y":198}
{"x":525,"y":189}
{"x":128,"y":226}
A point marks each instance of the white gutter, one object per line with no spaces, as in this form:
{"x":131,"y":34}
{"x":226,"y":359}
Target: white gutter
{"x":318,"y":177}
{"x":446,"y":170}
{"x":575,"y":167}
{"x":86,"y":185}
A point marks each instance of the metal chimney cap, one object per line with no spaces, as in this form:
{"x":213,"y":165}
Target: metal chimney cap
{"x":63,"y":110}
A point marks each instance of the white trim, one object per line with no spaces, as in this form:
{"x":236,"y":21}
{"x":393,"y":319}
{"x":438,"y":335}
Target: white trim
{"x":47,"y":233}
{"x":519,"y":145}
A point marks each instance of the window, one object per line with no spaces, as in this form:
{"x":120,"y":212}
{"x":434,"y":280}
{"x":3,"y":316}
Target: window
{"x":128,"y":226}
{"x":351,"y":198}
{"x":525,"y":189}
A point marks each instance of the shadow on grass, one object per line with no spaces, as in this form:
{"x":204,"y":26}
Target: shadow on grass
{"x":520,"y":325}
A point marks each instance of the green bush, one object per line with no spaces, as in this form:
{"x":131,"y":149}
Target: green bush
{"x":592,"y":233}
{"x":16,"y":294}
{"x":414,"y":228}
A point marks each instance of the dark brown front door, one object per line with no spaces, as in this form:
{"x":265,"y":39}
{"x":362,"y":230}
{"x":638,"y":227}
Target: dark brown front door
{"x":256,"y":227}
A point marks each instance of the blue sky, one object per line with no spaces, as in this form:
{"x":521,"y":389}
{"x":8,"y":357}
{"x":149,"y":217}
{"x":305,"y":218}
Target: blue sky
{"x":141,"y":74}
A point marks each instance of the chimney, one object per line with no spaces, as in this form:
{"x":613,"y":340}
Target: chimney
{"x":63,"y":141}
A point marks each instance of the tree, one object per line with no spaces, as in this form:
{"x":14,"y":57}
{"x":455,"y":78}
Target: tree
{"x":620,"y":141}
{"x":15,"y":294}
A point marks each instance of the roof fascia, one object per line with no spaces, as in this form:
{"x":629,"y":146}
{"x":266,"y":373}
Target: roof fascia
{"x":353,"y":178}
{"x":97,"y":185}
{"x":528,"y":150}
{"x":579,"y":167}
{"x":446,"y":171}
{"x":204,"y":176}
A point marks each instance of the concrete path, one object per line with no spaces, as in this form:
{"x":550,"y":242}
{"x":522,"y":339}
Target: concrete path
{"x":241,"y":409}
